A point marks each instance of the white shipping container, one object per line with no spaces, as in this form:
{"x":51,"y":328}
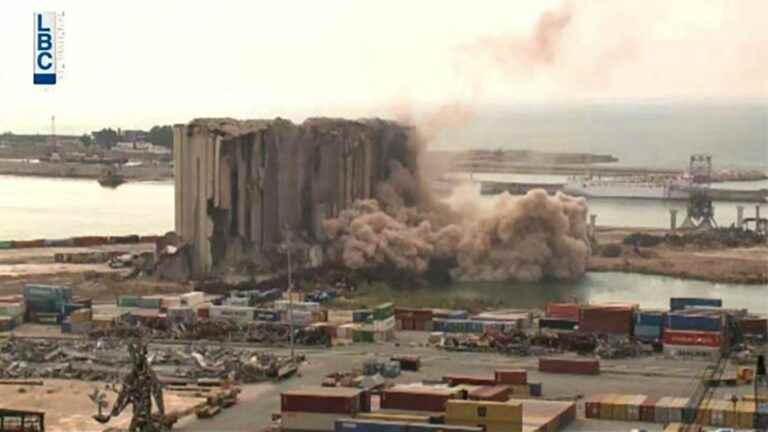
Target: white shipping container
{"x":234,"y":313}
{"x":298,"y":317}
{"x":340,"y":316}
{"x":297,"y":305}
{"x":237,"y":301}
{"x":688,"y":351}
{"x":192,"y":298}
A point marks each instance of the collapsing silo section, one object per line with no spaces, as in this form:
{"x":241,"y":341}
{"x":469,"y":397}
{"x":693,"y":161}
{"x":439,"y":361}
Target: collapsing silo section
{"x":242,"y":185}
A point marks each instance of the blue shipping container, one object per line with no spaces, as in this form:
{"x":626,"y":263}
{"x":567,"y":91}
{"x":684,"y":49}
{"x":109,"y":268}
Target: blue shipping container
{"x":266,"y":315}
{"x":650,"y":318}
{"x":648,"y":332}
{"x":694,"y":322}
{"x":678,"y":303}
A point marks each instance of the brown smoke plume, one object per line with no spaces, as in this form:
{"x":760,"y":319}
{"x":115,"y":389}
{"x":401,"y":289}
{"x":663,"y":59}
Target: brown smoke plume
{"x":511,"y":239}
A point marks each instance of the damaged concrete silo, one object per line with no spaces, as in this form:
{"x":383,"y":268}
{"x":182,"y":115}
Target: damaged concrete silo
{"x":240,"y":183}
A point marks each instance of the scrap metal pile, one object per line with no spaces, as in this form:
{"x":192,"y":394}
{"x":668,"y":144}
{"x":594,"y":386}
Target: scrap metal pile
{"x":517,"y":343}
{"x":521,"y":344}
{"x":108,"y":360}
{"x":713,"y":238}
{"x":267,"y":333}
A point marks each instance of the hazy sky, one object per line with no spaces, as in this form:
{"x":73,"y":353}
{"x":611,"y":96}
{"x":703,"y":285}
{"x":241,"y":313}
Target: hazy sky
{"x":138,"y":63}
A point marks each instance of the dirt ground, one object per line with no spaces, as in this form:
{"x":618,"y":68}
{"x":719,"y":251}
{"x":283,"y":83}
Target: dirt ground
{"x":734,"y":265}
{"x":36,"y":265}
{"x":68,"y":408}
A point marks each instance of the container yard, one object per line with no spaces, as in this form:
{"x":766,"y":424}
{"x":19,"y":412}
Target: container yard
{"x":568,"y":366}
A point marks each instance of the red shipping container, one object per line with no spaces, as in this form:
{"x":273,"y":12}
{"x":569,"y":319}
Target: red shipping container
{"x":323,"y":400}
{"x":90,"y":241}
{"x":648,"y":409}
{"x":695,"y":338}
{"x":512,"y":376}
{"x":416,"y":399}
{"x":574,"y":366}
{"x":592,"y":406}
{"x":203,"y":313}
{"x":454,"y":380}
{"x":499,"y":393}
{"x":753,"y":325}
{"x":569,"y":311}
{"x":609,"y":319}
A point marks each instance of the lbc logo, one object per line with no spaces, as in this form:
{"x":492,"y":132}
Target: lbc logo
{"x":45,"y":48}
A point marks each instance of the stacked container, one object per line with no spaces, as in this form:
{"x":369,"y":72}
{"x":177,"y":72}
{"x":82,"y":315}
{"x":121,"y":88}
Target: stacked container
{"x":695,"y":332}
{"x":649,"y":325}
{"x":45,"y":303}
{"x":492,"y":416}
{"x":611,"y":319}
{"x":413,"y":319}
{"x":318,"y":408}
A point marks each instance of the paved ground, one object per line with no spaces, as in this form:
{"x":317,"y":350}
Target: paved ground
{"x":654,"y":376}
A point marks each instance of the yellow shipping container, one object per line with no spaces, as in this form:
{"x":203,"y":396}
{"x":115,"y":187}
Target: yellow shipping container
{"x":484,"y":410}
{"x":746,"y":414}
{"x":674,"y":427}
{"x":731,"y":419}
{"x":619,"y":411}
{"x":606,"y":406}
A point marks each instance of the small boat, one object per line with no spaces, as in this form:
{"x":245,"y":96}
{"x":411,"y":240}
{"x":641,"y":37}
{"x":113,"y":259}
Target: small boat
{"x":111,"y":179}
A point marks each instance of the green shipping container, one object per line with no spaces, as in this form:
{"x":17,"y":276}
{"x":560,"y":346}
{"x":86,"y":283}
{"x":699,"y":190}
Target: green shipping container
{"x":362,"y":336}
{"x":383,"y":311}
{"x":6,"y":245}
{"x":128,"y":301}
{"x":148,"y":303}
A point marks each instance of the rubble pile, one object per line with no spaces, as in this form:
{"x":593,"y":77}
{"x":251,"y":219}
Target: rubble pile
{"x":715,"y":238}
{"x":517,"y":343}
{"x":269,"y":333}
{"x":108,"y":360}
{"x":719,"y":237}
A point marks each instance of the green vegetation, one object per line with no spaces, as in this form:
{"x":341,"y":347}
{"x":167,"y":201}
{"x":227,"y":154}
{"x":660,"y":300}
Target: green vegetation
{"x":161,"y":136}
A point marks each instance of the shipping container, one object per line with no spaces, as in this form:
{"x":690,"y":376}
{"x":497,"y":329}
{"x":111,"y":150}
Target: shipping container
{"x":232,"y":313}
{"x":648,"y":333}
{"x":325,"y":400}
{"x":694,"y":338}
{"x":408,"y":363}
{"x":266,"y":315}
{"x":566,"y":311}
{"x":418,"y":398}
{"x":535,"y":389}
{"x":699,"y":321}
{"x":493,"y":416}
{"x":363,"y":316}
{"x":340,"y":316}
{"x":678,"y":303}
{"x":511,"y":376}
{"x":569,"y":365}
{"x":308,"y":421}
{"x":498,"y":393}
{"x":456,"y":379}
{"x":753,"y":327}
{"x":360,"y":335}
{"x":383,"y":311}
{"x":648,"y":409}
{"x":450,"y":314}
{"x":746,"y":411}
{"x":616,"y":319}
{"x":193,"y":298}
{"x":557,"y":324}
{"x":592,"y":406}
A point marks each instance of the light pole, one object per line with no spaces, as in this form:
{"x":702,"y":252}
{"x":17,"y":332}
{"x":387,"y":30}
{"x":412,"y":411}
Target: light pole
{"x":290,"y":289}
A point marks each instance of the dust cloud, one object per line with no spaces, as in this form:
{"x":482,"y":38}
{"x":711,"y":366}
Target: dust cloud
{"x":506,"y":238}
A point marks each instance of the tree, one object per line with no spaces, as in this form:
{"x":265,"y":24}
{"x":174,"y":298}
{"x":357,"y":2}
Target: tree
{"x":105,"y":137}
{"x":161,"y":136}
{"x":86,"y":140}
